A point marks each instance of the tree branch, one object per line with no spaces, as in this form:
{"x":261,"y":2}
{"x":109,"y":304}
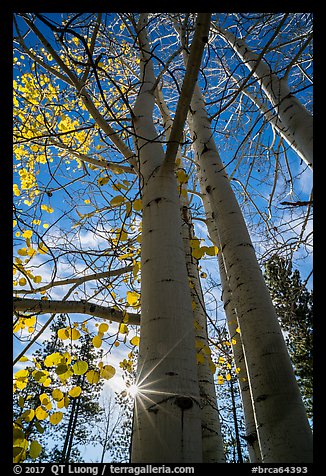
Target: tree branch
{"x":194,"y":61}
{"x":78,"y":281}
{"x":39,"y":306}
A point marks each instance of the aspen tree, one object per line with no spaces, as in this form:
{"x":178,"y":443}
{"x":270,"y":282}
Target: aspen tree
{"x":167,"y":425}
{"x":283,"y":431}
{"x":213,"y":448}
{"x":235,"y":338}
{"x":295,"y":122}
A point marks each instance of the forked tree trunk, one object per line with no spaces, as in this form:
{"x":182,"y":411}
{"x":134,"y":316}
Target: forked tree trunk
{"x":167,"y":425}
{"x":294,"y":117}
{"x":283,"y":431}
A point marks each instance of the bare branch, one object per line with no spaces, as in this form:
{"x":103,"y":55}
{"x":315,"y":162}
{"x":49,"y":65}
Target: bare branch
{"x":190,"y":79}
{"x":78,"y":281}
{"x":39,"y":306}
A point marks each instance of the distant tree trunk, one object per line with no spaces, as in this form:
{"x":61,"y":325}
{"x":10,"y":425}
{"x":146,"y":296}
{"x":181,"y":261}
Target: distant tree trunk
{"x":236,"y":423}
{"x":73,"y":429}
{"x":167,"y":426}
{"x":69,"y":434}
{"x":283,"y":431}
{"x":294,"y":117}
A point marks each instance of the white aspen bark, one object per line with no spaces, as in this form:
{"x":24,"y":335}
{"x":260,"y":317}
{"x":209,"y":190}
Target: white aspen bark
{"x":282,"y":426}
{"x":294,"y":116}
{"x":167,"y":426}
{"x":237,"y":349}
{"x":213,"y":448}
{"x":38,"y":306}
{"x":276,"y":122}
{"x":251,"y":436}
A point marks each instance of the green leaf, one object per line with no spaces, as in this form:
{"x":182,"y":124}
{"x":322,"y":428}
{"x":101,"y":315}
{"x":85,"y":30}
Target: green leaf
{"x":35,"y":449}
{"x":80,"y":367}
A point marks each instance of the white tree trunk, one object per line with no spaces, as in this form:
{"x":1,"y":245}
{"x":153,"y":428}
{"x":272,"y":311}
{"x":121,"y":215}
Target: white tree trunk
{"x":232,"y":323}
{"x":294,"y":117}
{"x":282,"y":426}
{"x":167,"y":425}
{"x":213,"y":448}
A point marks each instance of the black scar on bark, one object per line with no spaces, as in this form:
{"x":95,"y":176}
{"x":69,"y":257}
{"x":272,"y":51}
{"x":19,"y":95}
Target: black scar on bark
{"x":185,"y":403}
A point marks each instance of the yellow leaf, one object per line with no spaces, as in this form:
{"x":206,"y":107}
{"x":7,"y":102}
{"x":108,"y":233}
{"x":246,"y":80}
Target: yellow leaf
{"x":200,"y":358}
{"x":63,"y":334}
{"x":47,"y":209}
{"x":220,"y":380}
{"x":122,"y":235}
{"x":117,"y":201}
{"x":40,"y":413}
{"x":194,"y":243}
{"x":103,"y":327}
{"x":137,"y":205}
{"x":21,"y":374}
{"x":135,"y":341}
{"x":237,"y":370}
{"x":44,"y":399}
{"x":233,"y":341}
{"x":237,"y":330}
{"x":22,"y":251}
{"x":97,"y":341}
{"x":27,"y":234}
{"x":212,"y":367}
{"x":57,"y":395}
{"x":228,"y":377}
{"x":93,"y":376}
{"x":107,"y":372}
{"x":56,"y":417}
{"x":52,"y":359}
{"x":123,"y":329}
{"x":182,"y":176}
{"x":75,"y":391}
{"x":42,"y":249}
{"x":80,"y":367}
{"x":198,"y":252}
{"x":22,"y":282}
{"x":16,"y":190}
{"x":35,"y":449}
{"x":74,"y":334}
{"x":211,"y":250}
{"x":103,"y":181}
{"x":46,"y":382}
{"x":37,"y":279}
{"x":132,"y":298}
